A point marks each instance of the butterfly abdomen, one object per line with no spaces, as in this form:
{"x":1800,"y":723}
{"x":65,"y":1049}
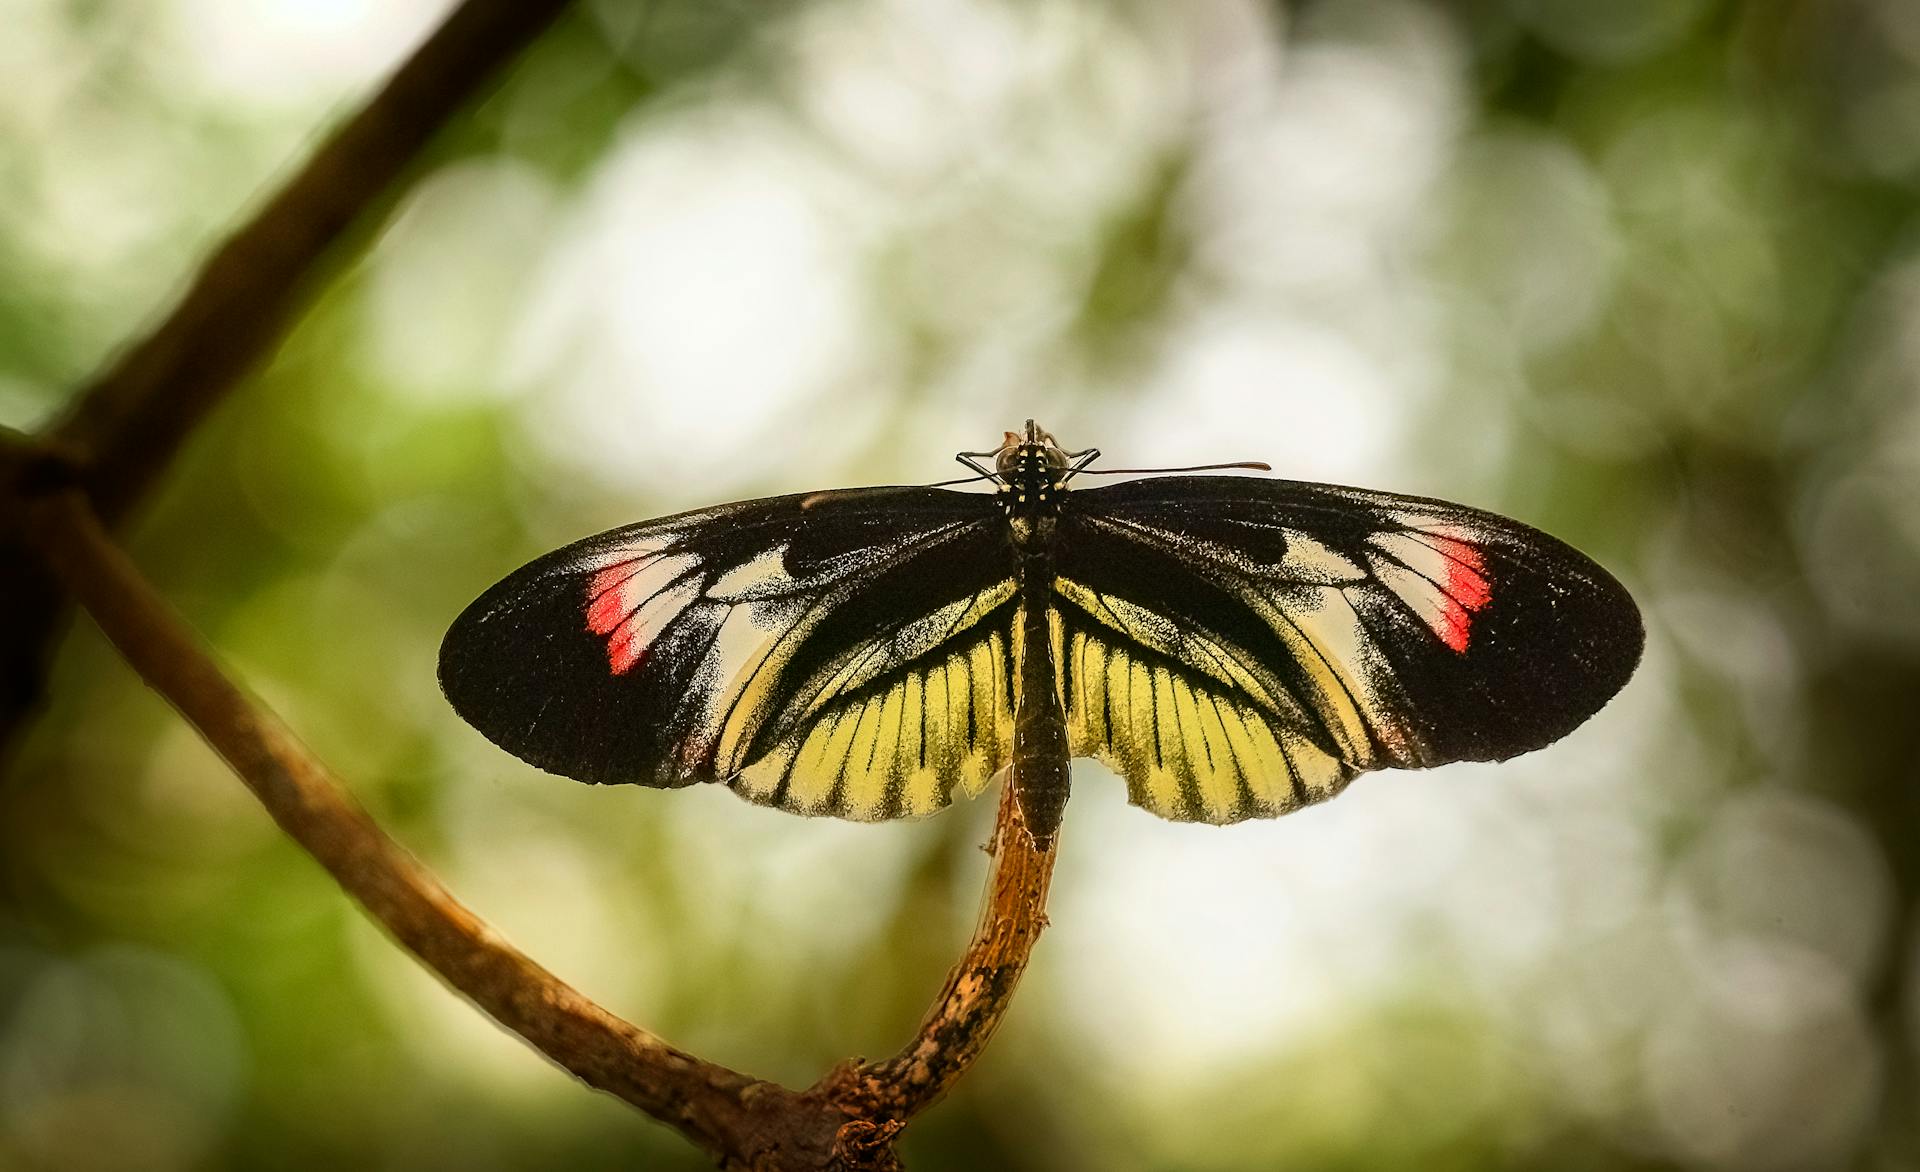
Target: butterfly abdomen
{"x":1041,"y":773}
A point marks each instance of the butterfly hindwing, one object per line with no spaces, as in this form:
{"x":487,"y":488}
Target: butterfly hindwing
{"x":1234,"y":647}
{"x":1239,"y":647}
{"x":843,"y":653}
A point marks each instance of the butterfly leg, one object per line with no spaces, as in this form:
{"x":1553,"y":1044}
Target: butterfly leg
{"x":1080,"y":461}
{"x":972,"y":460}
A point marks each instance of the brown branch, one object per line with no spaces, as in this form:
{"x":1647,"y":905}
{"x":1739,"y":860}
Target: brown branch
{"x":978,"y":990}
{"x":714,"y":1106}
{"x":131,"y":420}
{"x":849,"y":1121}
{"x":118,"y":437}
{"x":134,"y":416}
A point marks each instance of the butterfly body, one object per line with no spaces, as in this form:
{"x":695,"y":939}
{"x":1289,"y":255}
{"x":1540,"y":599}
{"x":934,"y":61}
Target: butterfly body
{"x":1233,"y":647}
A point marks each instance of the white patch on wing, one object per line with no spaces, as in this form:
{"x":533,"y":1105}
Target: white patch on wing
{"x":1416,"y":555}
{"x":629,"y":642}
{"x":1425,"y":599}
{"x":766,"y":574}
{"x":1441,"y":578}
{"x":745,"y":661}
{"x":645,"y":549}
{"x":631,"y":583}
{"x":632,"y":599}
{"x":1337,"y":660}
{"x":1311,"y":560}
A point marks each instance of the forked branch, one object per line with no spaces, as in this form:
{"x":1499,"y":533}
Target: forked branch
{"x":848,"y":1121}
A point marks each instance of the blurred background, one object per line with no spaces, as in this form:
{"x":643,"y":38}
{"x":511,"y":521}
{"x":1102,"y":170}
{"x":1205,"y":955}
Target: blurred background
{"x":1643,"y":273}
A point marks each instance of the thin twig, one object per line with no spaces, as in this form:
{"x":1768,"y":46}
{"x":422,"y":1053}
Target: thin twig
{"x":130,"y":421}
{"x":133,"y":417}
{"x":978,"y":990}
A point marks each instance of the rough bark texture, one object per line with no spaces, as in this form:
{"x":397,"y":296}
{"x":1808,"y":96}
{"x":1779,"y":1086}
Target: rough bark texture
{"x":970,"y":1005}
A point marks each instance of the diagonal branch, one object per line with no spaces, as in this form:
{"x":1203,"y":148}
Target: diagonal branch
{"x":978,"y":990}
{"x":716,"y":1107}
{"x":130,"y":421}
{"x":118,"y":437}
{"x":848,"y":1122}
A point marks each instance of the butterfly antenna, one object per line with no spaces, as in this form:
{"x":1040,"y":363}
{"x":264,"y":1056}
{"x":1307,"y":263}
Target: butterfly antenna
{"x":817,"y":498}
{"x":1246,"y":465}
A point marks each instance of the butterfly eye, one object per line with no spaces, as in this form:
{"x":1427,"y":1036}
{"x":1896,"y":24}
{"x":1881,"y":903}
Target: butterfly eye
{"x":1007,"y":456}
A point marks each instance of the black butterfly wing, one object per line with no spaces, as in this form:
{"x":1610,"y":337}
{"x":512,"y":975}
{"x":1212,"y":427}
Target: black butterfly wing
{"x":1239,"y":647}
{"x":843,"y":653}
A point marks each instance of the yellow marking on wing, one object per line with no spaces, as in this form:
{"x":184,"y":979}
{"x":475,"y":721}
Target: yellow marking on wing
{"x":938,"y":704}
{"x":1189,"y":752}
{"x":1094,"y":667}
{"x":1325,"y":638}
{"x":913,"y":698}
{"x":984,"y":669}
{"x":871,"y":801}
{"x":745,"y":653}
{"x":1235,"y":724}
{"x":757,"y":782}
{"x":1322,"y":776}
{"x":920,"y":792}
{"x":1193,"y":745}
{"x":957,"y":677}
{"x":863,"y":752}
{"x":1202,"y":652}
{"x":855,"y":665}
{"x":810,"y":785}
{"x":1215,"y":778}
{"x":900,"y":751}
{"x":866,"y":662}
{"x":1272,"y":777}
{"x":1153,"y":698}
{"x":1253,"y":763}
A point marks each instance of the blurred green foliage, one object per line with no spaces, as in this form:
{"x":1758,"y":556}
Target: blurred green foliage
{"x":1641,"y":273}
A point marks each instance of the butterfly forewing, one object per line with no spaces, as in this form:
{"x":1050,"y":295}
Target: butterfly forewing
{"x":843,"y":654}
{"x":1239,"y":647}
{"x":1234,"y":647}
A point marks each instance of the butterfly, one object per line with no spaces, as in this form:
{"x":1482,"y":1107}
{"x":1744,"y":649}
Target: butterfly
{"x":1233,"y":647}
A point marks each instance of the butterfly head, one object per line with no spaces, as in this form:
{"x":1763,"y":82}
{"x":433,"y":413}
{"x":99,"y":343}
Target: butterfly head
{"x":1030,"y":468}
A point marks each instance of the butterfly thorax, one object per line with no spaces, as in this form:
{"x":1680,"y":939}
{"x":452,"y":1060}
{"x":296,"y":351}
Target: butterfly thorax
{"x":1030,"y":472}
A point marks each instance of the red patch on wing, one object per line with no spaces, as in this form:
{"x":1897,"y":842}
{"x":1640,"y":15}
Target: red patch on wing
{"x":624,"y":652}
{"x":607,"y":605}
{"x":1466,"y":589}
{"x":608,"y":610}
